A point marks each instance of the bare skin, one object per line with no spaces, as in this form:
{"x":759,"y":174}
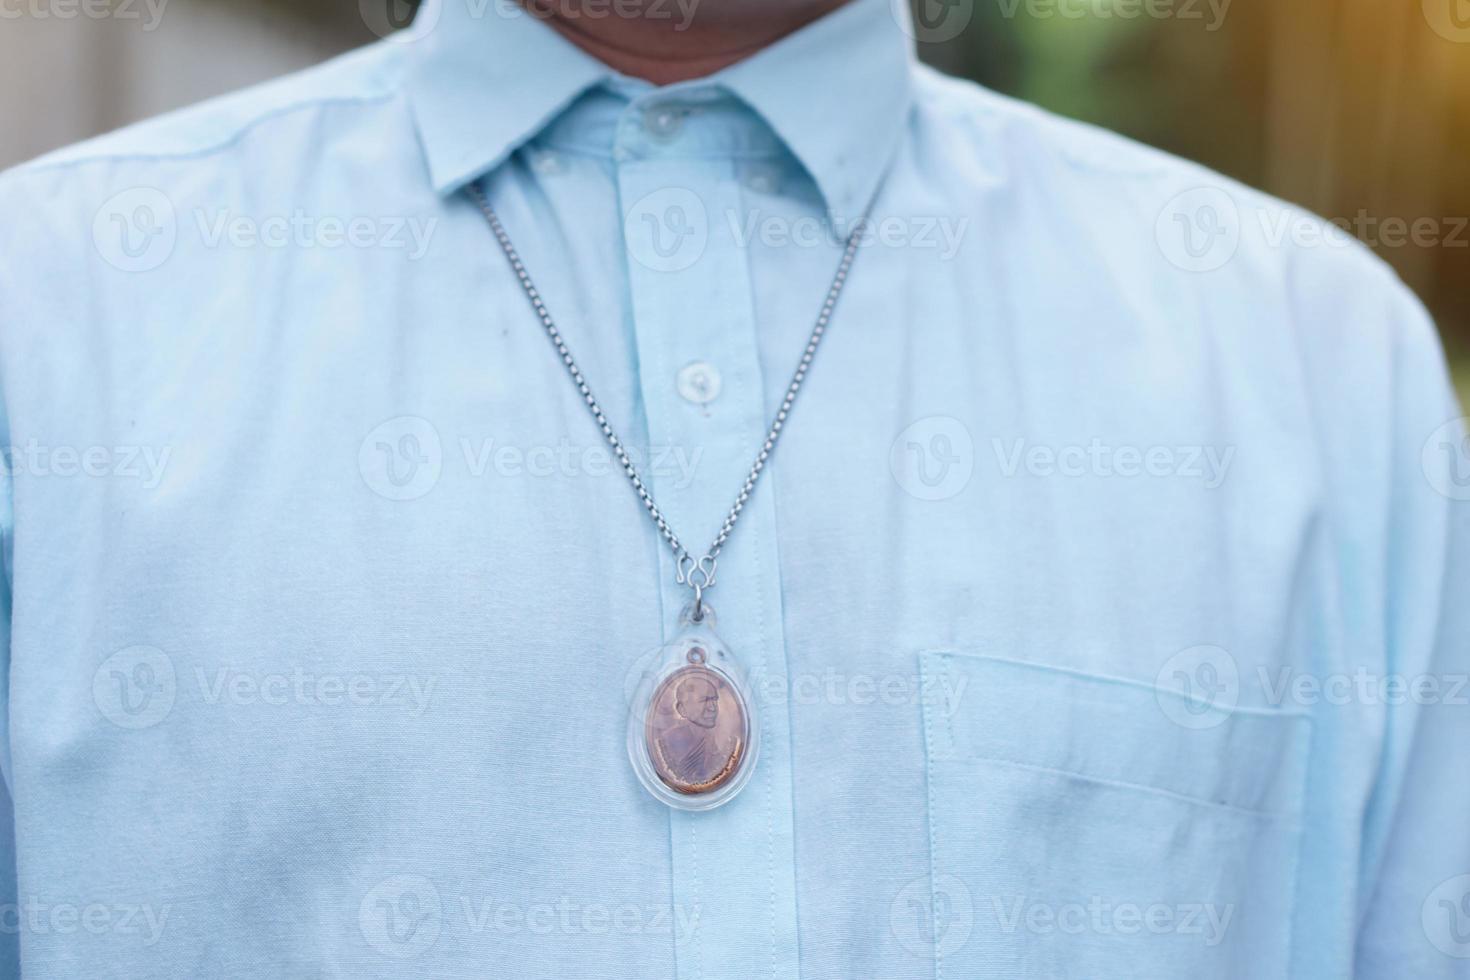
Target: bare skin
{"x":668,"y":41}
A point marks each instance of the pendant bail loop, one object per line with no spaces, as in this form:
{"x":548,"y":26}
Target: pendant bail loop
{"x":699,"y":575}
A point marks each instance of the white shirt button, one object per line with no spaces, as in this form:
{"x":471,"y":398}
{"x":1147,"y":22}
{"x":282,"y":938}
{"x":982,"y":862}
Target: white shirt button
{"x":699,"y":383}
{"x":546,"y":163}
{"x":664,"y":121}
{"x":762,"y":180}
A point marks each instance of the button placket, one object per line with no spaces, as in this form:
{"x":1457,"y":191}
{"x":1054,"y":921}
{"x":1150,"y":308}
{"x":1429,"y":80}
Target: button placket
{"x":733,"y":864}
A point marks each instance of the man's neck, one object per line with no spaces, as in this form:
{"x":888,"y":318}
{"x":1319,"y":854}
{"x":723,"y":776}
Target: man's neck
{"x":672,"y":46}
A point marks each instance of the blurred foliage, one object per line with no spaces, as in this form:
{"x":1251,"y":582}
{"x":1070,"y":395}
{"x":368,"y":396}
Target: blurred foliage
{"x":1341,"y":106}
{"x":343,"y":21}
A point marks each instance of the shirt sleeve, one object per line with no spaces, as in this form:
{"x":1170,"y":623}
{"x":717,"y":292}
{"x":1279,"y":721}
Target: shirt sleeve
{"x":10,"y":911}
{"x":1414,"y":910}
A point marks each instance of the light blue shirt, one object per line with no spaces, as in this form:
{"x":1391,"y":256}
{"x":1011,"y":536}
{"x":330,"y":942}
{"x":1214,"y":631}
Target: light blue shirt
{"x":1106,"y":596}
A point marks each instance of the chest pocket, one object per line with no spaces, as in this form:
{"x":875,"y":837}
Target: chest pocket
{"x":1093,"y":828}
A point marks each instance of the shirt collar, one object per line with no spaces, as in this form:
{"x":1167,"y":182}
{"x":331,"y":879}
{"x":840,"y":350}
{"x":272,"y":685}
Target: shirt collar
{"x":486,"y":77}
{"x":837,"y":94}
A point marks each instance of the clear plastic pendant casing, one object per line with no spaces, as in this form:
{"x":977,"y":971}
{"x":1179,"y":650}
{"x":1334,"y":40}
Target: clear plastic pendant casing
{"x":693,"y":734}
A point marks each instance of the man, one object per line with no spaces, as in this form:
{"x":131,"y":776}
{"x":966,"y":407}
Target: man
{"x":691,"y":751}
{"x":1101,"y":604}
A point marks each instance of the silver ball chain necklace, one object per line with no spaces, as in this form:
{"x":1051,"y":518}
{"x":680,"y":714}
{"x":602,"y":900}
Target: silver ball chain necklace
{"x":693,"y":737}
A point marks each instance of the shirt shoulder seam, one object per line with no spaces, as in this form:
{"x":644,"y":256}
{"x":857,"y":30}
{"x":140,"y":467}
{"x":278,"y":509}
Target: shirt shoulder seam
{"x":197,"y":153}
{"x":1145,"y":161}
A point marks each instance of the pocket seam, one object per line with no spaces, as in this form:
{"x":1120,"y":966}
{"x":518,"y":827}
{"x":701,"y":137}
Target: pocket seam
{"x":1240,"y":709}
{"x":1287,"y":816}
{"x":952,"y":754}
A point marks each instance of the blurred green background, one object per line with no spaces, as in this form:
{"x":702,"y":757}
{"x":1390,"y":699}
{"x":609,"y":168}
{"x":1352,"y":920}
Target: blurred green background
{"x":1358,"y":110}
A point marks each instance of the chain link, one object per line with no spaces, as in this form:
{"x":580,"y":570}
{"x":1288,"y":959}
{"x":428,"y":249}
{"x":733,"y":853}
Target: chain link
{"x":697,"y":573}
